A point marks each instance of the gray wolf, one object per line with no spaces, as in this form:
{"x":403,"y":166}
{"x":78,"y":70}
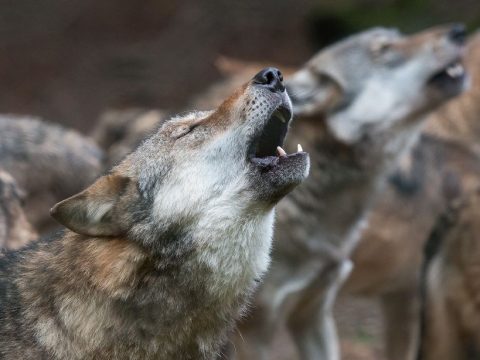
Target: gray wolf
{"x":48,"y":162}
{"x":444,"y":164}
{"x":160,"y":255}
{"x":15,"y":229}
{"x":359,"y":104}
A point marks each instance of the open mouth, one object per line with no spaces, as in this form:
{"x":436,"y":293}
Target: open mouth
{"x":452,"y":74}
{"x":266,"y":149}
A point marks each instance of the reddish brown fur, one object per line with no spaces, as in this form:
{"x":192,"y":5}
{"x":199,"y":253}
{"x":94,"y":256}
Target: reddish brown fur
{"x":110,"y":265}
{"x":453,"y":127}
{"x":443,"y":164}
{"x":452,"y":304}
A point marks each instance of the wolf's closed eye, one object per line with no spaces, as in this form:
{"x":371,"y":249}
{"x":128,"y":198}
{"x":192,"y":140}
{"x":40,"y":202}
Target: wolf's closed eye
{"x":381,"y":46}
{"x":182,"y":130}
{"x":385,"y":50}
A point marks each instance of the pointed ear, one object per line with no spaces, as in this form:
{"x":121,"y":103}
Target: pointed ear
{"x":91,"y":212}
{"x":314,"y":93}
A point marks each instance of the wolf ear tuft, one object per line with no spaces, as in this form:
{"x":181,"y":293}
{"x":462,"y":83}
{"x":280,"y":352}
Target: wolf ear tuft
{"x":91,"y":212}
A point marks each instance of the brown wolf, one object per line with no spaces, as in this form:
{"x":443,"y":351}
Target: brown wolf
{"x":48,"y":162}
{"x":163,"y":251}
{"x":15,"y":230}
{"x":361,"y":102}
{"x":451,"y":313}
{"x":443,"y":164}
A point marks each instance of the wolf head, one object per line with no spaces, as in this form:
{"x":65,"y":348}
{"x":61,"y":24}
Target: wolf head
{"x":379,"y":79}
{"x":196,"y":167}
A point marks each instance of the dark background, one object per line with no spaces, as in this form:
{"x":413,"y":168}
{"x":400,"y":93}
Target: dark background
{"x":68,"y":60}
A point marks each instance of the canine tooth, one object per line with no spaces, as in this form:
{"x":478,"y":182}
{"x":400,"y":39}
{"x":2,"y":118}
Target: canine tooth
{"x":456,"y":70}
{"x":281,"y":152}
{"x":299,"y":148}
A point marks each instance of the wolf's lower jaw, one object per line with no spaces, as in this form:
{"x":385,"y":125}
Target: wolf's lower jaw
{"x":269,"y":162}
{"x":265,"y":150}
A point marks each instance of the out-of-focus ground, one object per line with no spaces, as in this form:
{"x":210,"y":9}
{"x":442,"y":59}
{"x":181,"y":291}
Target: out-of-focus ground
{"x":360,"y":328}
{"x":69,"y":60}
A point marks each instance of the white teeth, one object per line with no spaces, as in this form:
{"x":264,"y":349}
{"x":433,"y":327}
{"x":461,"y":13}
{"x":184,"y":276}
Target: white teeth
{"x":281,"y":152}
{"x":299,"y":148}
{"x":456,"y":70}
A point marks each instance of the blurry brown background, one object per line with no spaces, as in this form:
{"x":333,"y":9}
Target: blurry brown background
{"x":69,"y":60}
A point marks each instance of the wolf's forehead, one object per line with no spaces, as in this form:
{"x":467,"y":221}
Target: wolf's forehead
{"x":355,"y":47}
{"x":380,"y":31}
{"x":366,"y":38}
{"x":362,"y":42}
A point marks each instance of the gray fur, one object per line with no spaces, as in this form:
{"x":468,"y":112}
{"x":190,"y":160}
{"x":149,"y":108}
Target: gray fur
{"x":360,"y":104}
{"x":48,"y":162}
{"x":165,"y":250}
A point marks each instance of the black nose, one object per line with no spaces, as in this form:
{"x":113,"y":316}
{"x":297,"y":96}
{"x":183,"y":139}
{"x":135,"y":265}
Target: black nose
{"x":458,"y":34}
{"x":271,"y":78}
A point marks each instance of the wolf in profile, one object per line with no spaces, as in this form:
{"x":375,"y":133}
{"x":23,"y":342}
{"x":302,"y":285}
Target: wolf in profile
{"x":161,"y":254}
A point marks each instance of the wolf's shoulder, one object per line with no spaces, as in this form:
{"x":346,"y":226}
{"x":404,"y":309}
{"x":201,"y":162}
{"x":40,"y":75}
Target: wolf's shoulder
{"x":11,"y":259}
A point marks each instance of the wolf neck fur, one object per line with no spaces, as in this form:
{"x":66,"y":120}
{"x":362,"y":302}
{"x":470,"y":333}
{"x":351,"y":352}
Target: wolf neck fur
{"x":338,"y":190}
{"x":116,"y":288}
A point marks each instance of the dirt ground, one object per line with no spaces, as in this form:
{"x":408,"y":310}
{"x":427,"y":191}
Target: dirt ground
{"x":360,"y":329}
